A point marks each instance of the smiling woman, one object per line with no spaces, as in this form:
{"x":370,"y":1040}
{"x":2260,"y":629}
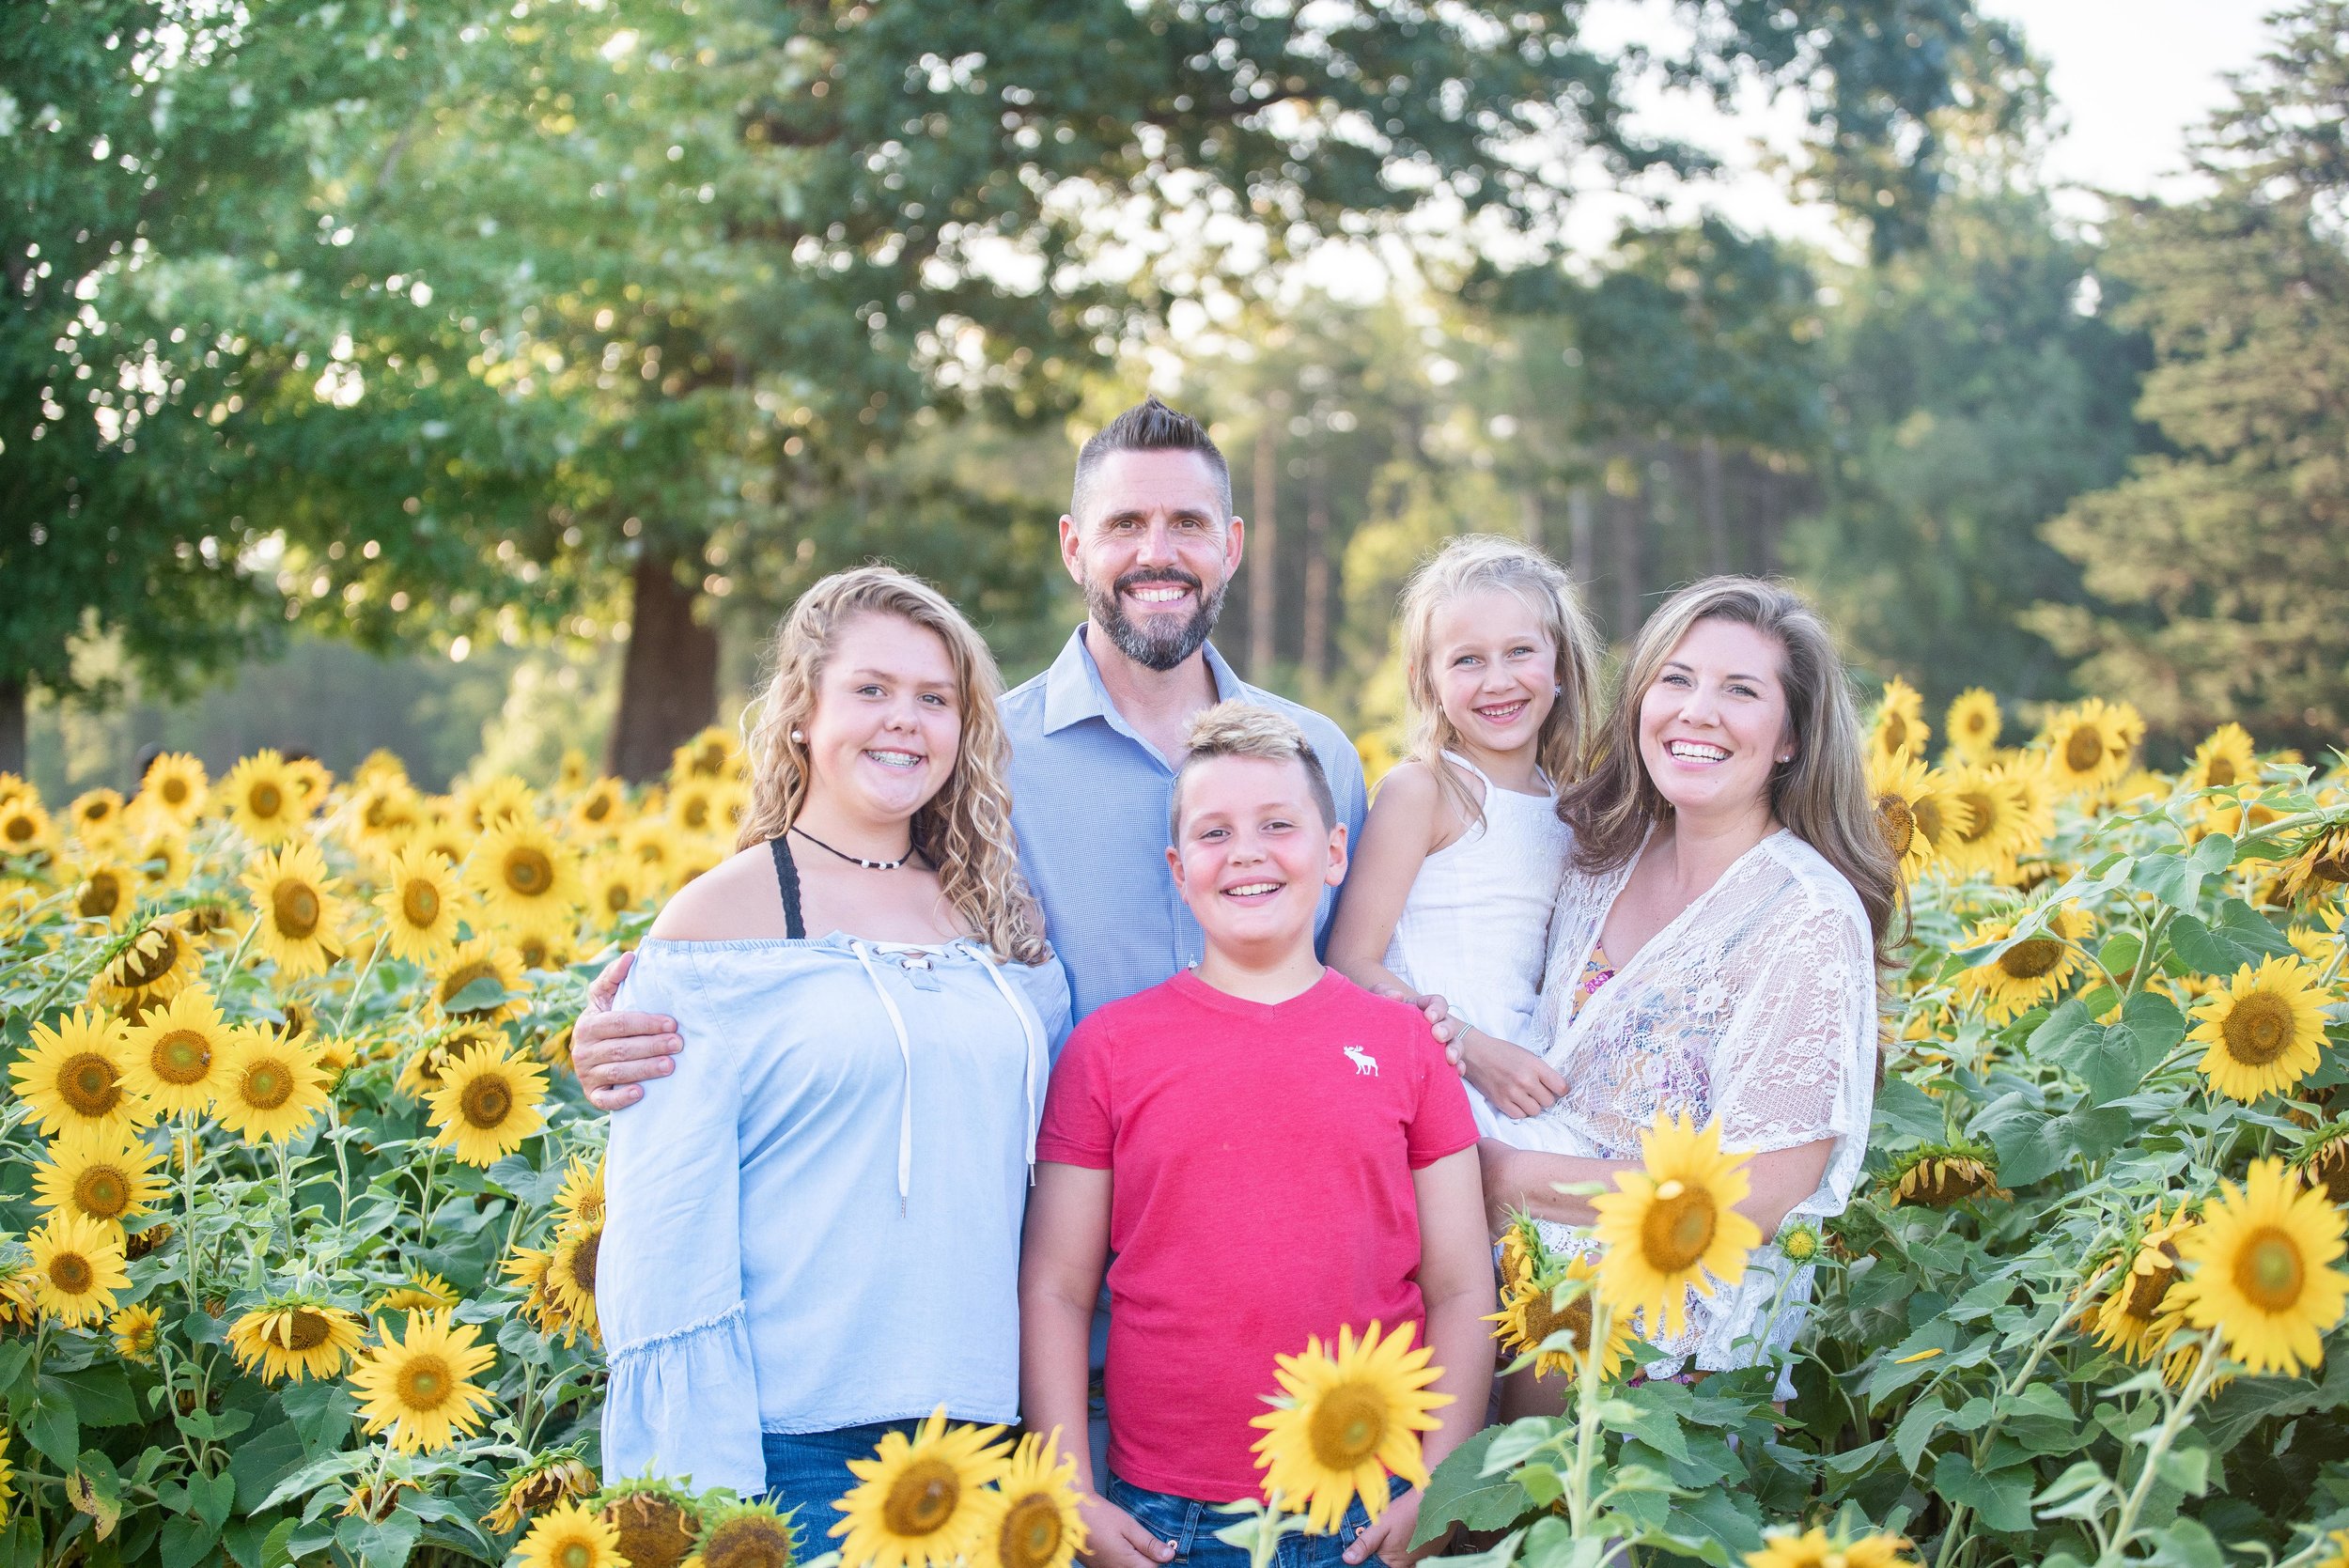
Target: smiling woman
{"x":1713,"y":949}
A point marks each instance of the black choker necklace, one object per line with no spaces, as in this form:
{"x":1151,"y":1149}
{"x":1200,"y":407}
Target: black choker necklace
{"x":869,"y":866}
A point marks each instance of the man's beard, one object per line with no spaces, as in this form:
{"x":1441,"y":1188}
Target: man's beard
{"x":1152,"y":641}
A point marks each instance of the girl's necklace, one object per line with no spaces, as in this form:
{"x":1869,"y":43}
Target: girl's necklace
{"x":859,"y":860}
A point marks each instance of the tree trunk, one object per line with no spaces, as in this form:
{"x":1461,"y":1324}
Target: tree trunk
{"x":1626,"y":514}
{"x":669,"y":683}
{"x":1581,"y":548}
{"x":1713,"y":503}
{"x":1264,"y":584}
{"x":1317,"y":574}
{"x":12,"y":728}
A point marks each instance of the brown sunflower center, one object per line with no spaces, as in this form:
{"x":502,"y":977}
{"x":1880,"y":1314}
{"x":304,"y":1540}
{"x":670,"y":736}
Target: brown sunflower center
{"x":923,"y":1498}
{"x":1898,"y":821}
{"x":1348,"y":1424}
{"x":1677,"y":1227}
{"x":1926,"y":817}
{"x":754,"y":1542}
{"x":1541,"y":1319}
{"x":102,"y":1191}
{"x":2032,"y":957}
{"x":420,"y":902}
{"x":487,"y":1102}
{"x":266,"y":1084}
{"x":583,"y":1262}
{"x":597,"y":809}
{"x":2084,"y":750}
{"x":654,"y":1532}
{"x":89,"y":1084}
{"x":173,"y":789}
{"x":2269,"y":1271}
{"x":2147,"y":1288}
{"x":180,"y":1056}
{"x":424,"y":1383}
{"x":304,"y":1329}
{"x":72,"y":1273}
{"x":295,"y":905}
{"x":155,"y":954}
{"x":1984,"y":811}
{"x":1895,"y":732}
{"x":1030,"y":1533}
{"x":465,"y":975}
{"x":264,"y":800}
{"x":528,"y":872}
{"x":2221,"y":774}
{"x":575,"y":1553}
{"x":21,"y":829}
{"x":2330,"y":1169}
{"x":101,"y":896}
{"x":618,"y":898}
{"x":2258,"y":1029}
{"x":696,"y":813}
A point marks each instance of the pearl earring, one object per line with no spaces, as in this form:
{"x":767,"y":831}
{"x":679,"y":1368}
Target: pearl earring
{"x":799,"y":739}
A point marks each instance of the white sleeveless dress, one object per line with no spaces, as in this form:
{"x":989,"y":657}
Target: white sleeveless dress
{"x":1476,"y":926}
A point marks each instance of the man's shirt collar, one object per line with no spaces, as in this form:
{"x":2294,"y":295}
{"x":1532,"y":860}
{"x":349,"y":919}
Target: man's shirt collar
{"x":1073,"y":691}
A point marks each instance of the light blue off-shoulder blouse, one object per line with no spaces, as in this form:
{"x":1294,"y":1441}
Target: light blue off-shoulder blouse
{"x":814,"y":1222}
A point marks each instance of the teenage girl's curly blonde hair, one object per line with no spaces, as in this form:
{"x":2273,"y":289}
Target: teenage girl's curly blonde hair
{"x":1472,"y":564}
{"x":965,"y":828}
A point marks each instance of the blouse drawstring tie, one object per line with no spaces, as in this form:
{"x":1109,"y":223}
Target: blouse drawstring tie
{"x":905,"y":1051}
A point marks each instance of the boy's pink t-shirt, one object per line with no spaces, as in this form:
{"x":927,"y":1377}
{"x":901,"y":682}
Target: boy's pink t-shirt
{"x":1260,"y":1159}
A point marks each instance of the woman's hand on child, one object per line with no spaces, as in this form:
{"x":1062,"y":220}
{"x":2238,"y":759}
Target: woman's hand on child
{"x":1440,"y":1024}
{"x":1512,"y":1080}
{"x":1116,"y":1539}
{"x":614,"y":1052}
{"x":1388,"y":1536}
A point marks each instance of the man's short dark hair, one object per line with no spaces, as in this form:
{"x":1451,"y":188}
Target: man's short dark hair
{"x":1150,"y":425}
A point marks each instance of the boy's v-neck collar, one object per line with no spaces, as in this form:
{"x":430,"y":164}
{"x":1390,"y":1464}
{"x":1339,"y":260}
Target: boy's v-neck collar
{"x":1191,"y":985}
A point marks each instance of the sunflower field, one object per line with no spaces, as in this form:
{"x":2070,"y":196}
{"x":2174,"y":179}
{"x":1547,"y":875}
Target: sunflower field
{"x":299,"y":1202}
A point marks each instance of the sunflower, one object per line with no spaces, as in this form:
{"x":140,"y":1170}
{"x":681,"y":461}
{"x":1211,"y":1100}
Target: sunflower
{"x":657,"y":1522}
{"x":443,"y":835}
{"x":1800,"y":1242}
{"x":173,"y":1059}
{"x":1529,"y":1315}
{"x":77,"y":1267}
{"x":161,"y":861}
{"x":1673,"y":1224}
{"x":714,"y":753}
{"x":272,"y":1086}
{"x":417,"y":1291}
{"x":18,"y":1308}
{"x":107,"y":1176}
{"x":749,"y":1535}
{"x":1900,"y":728}
{"x":568,"y":1536}
{"x":2319,"y":866}
{"x":2261,"y":1272}
{"x":1972,"y":725}
{"x":1815,"y":1548}
{"x":135,"y":1331}
{"x":177,"y":785}
{"x":264,"y":798}
{"x":96,"y":814}
{"x":25,"y":829}
{"x":295,"y":1336}
{"x":2265,"y":1029}
{"x":382,"y":810}
{"x":918,"y":1501}
{"x":8,"y":1477}
{"x":1997,"y":828}
{"x":1918,"y":810}
{"x":138,"y":1244}
{"x":421,"y":1390}
{"x":2138,"y":1312}
{"x":2323,"y":1163}
{"x":421,"y":903}
{"x":543,"y":951}
{"x":108,"y":890}
{"x":1033,"y":1520}
{"x":1345,"y":1422}
{"x":524,"y":876}
{"x":480,"y":960}
{"x":547,"y":1481}
{"x":571,"y":1278}
{"x":311,"y":780}
{"x":2088,"y":747}
{"x":527,"y":1269}
{"x":2028,"y":973}
{"x":484,"y":804}
{"x":488,"y":1100}
{"x":381,"y":763}
{"x":1940,"y":1174}
{"x":602,"y":811}
{"x":295,"y":902}
{"x":651,"y":843}
{"x":72,"y":1075}
{"x":2225,"y":757}
{"x":580,"y":1199}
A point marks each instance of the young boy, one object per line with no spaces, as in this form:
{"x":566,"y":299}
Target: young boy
{"x":1260,"y":1152}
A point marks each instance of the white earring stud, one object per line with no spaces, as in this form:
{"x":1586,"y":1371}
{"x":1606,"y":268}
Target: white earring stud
{"x":799,"y":739}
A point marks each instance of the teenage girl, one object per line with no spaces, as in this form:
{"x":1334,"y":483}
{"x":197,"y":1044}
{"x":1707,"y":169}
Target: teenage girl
{"x":1461,"y":857}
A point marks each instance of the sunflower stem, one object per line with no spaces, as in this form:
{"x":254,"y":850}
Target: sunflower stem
{"x":184,"y":1133}
{"x":361,"y":984}
{"x":2180,"y":1413}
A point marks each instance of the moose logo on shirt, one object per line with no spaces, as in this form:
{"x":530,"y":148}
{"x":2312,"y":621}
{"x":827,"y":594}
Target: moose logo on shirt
{"x":1365,"y":1065}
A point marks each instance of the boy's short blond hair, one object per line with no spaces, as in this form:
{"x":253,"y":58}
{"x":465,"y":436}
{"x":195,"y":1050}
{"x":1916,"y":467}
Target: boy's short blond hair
{"x":1237,"y":729}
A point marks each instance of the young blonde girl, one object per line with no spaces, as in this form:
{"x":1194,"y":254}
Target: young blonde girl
{"x":1451,"y":889}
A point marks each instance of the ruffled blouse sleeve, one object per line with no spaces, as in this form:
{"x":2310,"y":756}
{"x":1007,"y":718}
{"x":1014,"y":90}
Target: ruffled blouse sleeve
{"x":1799,"y":1064}
{"x":683,"y":1400}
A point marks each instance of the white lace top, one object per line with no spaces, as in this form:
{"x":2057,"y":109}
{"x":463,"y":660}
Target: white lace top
{"x":1755,"y":1005}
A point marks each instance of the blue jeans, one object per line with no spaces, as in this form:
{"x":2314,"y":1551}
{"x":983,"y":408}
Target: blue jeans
{"x":1192,"y":1526}
{"x":809,"y":1471}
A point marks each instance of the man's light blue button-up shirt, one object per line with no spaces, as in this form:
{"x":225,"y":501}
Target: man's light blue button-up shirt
{"x":1088,"y":800}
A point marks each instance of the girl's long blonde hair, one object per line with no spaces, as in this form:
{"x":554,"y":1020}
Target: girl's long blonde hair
{"x":1468,"y":564}
{"x":1821,"y":794}
{"x":965,"y":828}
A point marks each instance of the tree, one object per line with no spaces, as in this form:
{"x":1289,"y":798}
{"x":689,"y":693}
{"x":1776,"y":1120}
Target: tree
{"x":2222,"y":564}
